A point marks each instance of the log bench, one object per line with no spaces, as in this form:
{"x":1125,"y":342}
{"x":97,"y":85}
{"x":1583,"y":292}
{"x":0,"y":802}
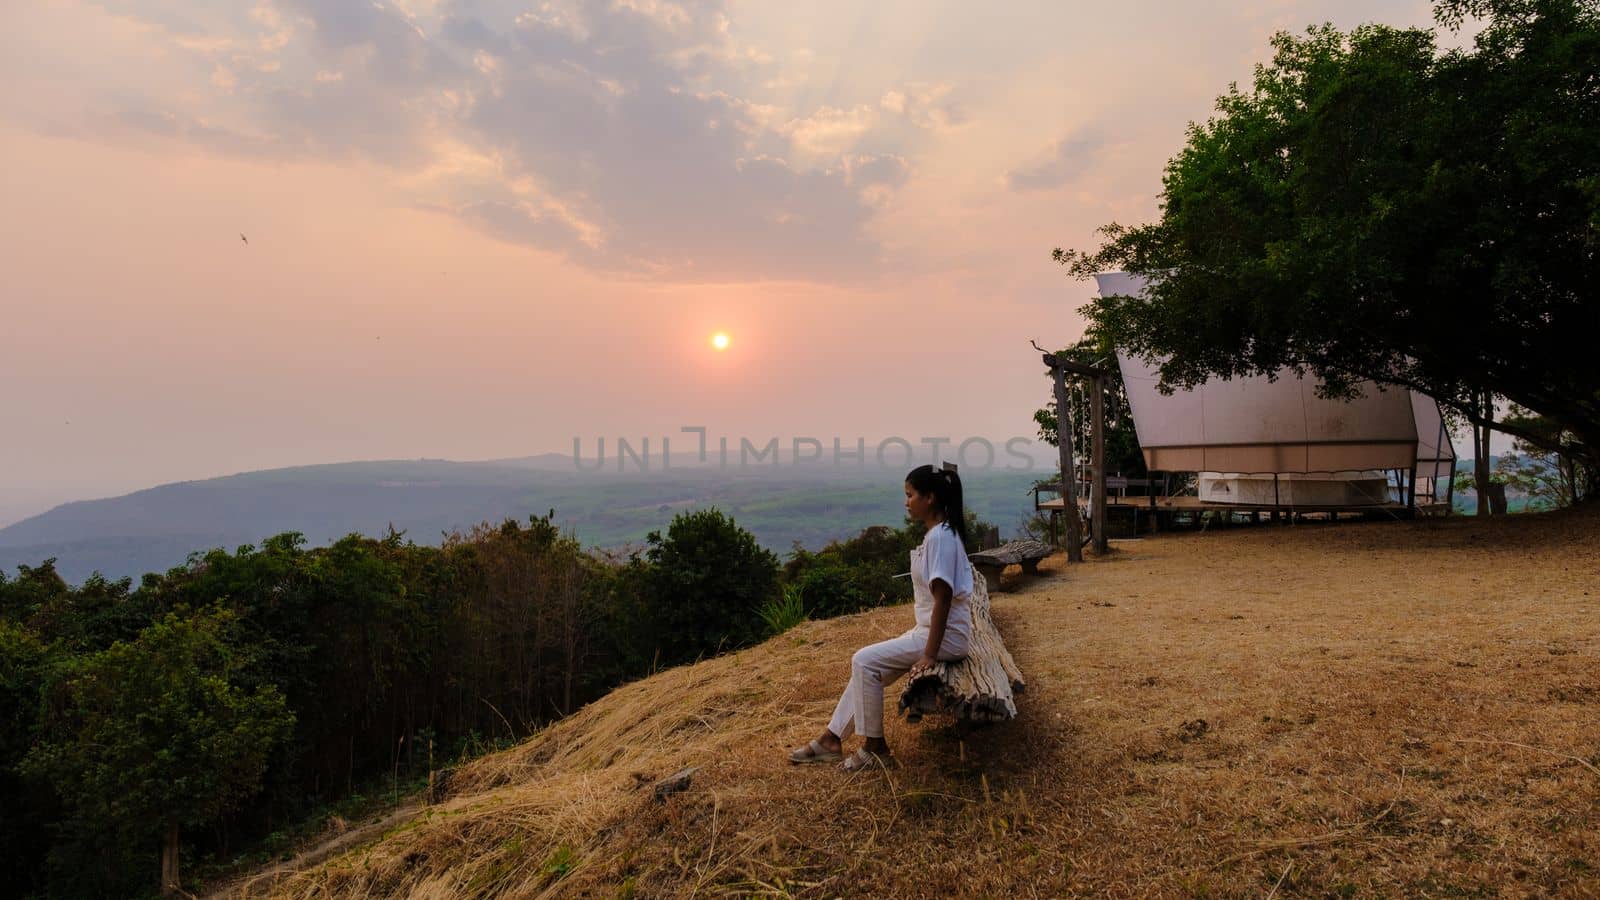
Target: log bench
{"x":1024,"y":553}
{"x":980,"y":686}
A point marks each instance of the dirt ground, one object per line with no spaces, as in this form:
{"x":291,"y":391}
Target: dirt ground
{"x":1329,"y":710}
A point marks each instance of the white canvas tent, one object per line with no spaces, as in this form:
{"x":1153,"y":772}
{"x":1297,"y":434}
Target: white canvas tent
{"x":1277,"y":427}
{"x":1436,"y":455}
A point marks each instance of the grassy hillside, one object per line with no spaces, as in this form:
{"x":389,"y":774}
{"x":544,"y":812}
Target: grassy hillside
{"x":1396,"y":709}
{"x":156,"y":529}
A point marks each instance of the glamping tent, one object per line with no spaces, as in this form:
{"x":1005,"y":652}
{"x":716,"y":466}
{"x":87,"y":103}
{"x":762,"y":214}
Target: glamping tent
{"x":1273,"y":442}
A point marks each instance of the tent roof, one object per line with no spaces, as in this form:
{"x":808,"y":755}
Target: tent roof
{"x":1279,"y":424}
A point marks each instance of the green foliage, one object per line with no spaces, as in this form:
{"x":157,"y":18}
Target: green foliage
{"x":22,"y":658}
{"x":828,"y":587}
{"x":705,"y":584}
{"x":253,"y":687}
{"x":34,"y":588}
{"x":912,"y":532}
{"x":861,"y":573}
{"x":853,"y":575}
{"x":1552,"y":473}
{"x":1466,"y":481}
{"x":96,"y":615}
{"x":887,"y":548}
{"x":157,"y":731}
{"x":22,"y":661}
{"x":785,"y":611}
{"x":560,"y":863}
{"x":378,"y":648}
{"x":1372,"y":208}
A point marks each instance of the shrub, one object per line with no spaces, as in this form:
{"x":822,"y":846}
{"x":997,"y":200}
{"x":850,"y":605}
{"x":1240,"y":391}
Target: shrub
{"x":706,"y":582}
{"x":785,"y":611}
{"x":159,"y":732}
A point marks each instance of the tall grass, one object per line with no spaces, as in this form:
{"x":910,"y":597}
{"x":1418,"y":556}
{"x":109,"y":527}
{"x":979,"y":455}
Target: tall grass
{"x":784,"y":612}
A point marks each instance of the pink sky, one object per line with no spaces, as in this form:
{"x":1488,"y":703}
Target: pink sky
{"x":480,"y":229}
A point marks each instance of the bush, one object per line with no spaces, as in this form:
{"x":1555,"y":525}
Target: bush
{"x":784,"y":612}
{"x":158,"y":732}
{"x":828,"y":588}
{"x":865,"y":571}
{"x":387,"y":654}
{"x":853,"y":575}
{"x":706,"y":583}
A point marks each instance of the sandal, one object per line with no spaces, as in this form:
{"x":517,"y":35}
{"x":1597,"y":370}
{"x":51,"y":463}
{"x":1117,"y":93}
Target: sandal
{"x":813,"y":752}
{"x":864,"y":758}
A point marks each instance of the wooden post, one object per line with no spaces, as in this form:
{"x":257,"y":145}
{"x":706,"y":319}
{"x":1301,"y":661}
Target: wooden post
{"x":1069,"y":478}
{"x":1432,"y":468}
{"x":1097,"y":497}
{"x":1450,"y":487}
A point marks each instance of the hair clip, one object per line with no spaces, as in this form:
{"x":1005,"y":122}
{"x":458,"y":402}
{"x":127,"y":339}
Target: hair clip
{"x":950,"y":468}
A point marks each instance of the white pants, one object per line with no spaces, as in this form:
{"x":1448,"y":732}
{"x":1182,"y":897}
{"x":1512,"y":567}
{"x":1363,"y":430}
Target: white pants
{"x":876,"y":666}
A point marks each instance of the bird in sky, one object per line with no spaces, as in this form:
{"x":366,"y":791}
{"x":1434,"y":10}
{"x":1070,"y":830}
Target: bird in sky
{"x":245,"y":239}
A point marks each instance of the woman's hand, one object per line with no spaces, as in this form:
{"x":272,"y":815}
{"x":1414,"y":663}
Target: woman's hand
{"x":921,"y":666}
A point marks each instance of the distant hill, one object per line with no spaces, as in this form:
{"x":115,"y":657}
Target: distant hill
{"x":156,"y":529}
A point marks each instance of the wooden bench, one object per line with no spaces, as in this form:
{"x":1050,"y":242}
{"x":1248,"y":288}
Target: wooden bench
{"x":1024,"y":553}
{"x":980,"y":686}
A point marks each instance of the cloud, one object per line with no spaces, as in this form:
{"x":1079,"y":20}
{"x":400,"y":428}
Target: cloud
{"x":830,"y":131}
{"x":136,"y":123}
{"x":634,"y":118}
{"x":1066,"y":159}
{"x":525,"y":222}
{"x":926,"y":106}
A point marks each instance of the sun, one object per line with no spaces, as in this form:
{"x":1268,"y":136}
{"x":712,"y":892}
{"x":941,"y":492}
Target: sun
{"x":720,"y":340}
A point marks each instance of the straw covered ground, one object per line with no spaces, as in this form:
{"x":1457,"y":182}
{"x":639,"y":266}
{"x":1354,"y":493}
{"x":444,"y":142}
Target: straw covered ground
{"x":1384,"y":709}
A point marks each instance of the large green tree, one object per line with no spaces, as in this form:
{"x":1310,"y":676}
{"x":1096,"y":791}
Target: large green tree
{"x":1374,"y":208}
{"x":157,"y":733}
{"x":706,"y":580}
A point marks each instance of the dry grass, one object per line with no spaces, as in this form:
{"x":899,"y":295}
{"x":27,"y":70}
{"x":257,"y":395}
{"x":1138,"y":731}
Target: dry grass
{"x":1401,"y":709}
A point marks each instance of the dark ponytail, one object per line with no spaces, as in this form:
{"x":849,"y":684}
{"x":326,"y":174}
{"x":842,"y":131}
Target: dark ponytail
{"x":945,"y":486}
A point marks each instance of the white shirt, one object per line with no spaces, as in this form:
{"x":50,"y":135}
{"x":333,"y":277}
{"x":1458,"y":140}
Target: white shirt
{"x":942,"y":557}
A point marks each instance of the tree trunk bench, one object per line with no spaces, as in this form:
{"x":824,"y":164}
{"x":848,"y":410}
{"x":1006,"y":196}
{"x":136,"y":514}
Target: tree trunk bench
{"x":1024,"y":553}
{"x":978,"y":687}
